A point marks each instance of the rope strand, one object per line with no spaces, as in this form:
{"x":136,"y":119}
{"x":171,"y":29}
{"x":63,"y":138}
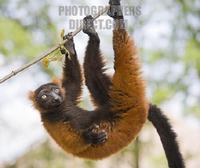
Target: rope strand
{"x":48,"y":52}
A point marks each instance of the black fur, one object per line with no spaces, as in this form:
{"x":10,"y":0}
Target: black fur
{"x":96,"y":80}
{"x":72,"y":79}
{"x":167,"y":136}
{"x":54,"y":117}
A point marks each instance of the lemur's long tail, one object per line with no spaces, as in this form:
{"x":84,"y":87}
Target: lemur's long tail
{"x":167,"y":136}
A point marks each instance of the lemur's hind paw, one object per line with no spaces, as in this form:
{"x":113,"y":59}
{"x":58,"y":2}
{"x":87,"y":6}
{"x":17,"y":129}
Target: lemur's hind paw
{"x":69,"y":45}
{"x":88,"y":25}
{"x":115,"y":10}
{"x":114,"y":2}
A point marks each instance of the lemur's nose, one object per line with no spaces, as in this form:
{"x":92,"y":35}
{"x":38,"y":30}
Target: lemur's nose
{"x":56,"y":98}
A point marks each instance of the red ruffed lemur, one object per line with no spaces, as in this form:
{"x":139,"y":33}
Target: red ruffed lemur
{"x":121,"y":104}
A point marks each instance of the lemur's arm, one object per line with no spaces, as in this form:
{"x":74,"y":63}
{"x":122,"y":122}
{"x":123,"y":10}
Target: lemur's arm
{"x":72,"y":78}
{"x":96,"y":80}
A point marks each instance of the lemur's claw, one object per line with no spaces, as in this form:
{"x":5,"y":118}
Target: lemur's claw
{"x":88,"y":25}
{"x":97,"y":138}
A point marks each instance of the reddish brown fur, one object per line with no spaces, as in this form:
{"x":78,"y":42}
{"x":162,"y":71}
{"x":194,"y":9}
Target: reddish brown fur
{"x":129,"y":90}
{"x":127,"y":93}
{"x":31,"y":96}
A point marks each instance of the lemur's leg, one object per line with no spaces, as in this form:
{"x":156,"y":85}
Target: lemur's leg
{"x":128,"y":89}
{"x":127,"y":67}
{"x":72,"y":79}
{"x":96,"y":80}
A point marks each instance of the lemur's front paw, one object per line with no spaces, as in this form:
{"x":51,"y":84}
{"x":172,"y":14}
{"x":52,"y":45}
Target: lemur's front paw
{"x":95,"y":136}
{"x":69,"y":45}
{"x":88,"y":25}
{"x":115,"y":10}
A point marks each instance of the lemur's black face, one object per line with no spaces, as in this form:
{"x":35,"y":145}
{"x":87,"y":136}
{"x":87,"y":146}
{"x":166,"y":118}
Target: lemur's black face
{"x":49,"y":96}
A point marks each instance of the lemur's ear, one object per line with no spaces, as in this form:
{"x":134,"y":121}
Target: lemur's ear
{"x":31,"y":95}
{"x":56,"y":81}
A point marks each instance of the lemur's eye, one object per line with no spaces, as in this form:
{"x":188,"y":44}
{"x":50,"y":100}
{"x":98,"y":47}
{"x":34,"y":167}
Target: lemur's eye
{"x":56,"y":90}
{"x":44,"y":97}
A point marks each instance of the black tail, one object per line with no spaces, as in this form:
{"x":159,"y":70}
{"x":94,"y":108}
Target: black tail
{"x":167,"y":136}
